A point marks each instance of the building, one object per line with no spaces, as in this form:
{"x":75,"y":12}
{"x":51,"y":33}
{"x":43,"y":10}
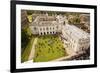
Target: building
{"x":75,"y":39}
{"x":23,"y":18}
{"x":44,"y":24}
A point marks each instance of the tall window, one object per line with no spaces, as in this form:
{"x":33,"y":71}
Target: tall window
{"x":43,"y":28}
{"x":53,"y":32}
{"x":57,"y":27}
{"x":47,"y":28}
{"x":40,"y":29}
{"x":53,"y":28}
{"x":50,"y":28}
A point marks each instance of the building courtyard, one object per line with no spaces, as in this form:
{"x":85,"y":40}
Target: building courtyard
{"x":48,"y":47}
{"x":51,"y":37}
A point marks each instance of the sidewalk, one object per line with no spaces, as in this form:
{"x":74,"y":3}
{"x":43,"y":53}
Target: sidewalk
{"x":31,"y":56}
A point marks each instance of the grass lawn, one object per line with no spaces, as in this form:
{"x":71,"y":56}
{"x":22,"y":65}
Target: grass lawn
{"x":49,"y":47}
{"x":25,"y":55}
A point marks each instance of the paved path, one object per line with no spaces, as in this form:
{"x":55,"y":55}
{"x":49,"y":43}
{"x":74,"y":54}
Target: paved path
{"x":31,"y":56}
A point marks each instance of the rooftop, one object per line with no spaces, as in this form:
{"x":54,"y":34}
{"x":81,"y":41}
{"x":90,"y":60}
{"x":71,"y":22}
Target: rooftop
{"x":75,"y":32}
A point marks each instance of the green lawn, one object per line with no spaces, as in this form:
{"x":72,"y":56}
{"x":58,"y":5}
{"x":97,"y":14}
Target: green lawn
{"x":49,"y":47}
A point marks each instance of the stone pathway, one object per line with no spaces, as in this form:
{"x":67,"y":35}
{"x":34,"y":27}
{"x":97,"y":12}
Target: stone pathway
{"x":31,"y":56}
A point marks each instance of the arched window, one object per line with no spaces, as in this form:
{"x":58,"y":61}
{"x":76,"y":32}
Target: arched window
{"x":53,"y":28}
{"x":53,"y":32}
{"x":41,"y":33}
{"x":47,"y":28}
{"x":44,"y":33}
{"x":47,"y":32}
{"x":57,"y":27}
{"x":64,"y":23}
{"x":40,"y":29}
{"x":50,"y":28}
{"x":43,"y":28}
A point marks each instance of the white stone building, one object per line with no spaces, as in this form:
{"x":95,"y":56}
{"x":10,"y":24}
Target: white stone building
{"x":44,"y":24}
{"x":75,"y":39}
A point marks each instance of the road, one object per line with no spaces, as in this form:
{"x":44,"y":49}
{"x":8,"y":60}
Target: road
{"x":31,"y":56}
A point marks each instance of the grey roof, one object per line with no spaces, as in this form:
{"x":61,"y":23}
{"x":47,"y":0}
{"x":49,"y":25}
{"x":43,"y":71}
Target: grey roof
{"x":75,"y":32}
{"x":44,"y":20}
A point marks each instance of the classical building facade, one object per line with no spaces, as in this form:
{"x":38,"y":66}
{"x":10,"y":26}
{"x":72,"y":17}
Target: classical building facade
{"x":44,"y":24}
{"x":76,"y":39}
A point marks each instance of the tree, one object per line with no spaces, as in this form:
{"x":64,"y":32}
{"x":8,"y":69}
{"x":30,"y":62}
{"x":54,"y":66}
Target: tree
{"x":24,"y":39}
